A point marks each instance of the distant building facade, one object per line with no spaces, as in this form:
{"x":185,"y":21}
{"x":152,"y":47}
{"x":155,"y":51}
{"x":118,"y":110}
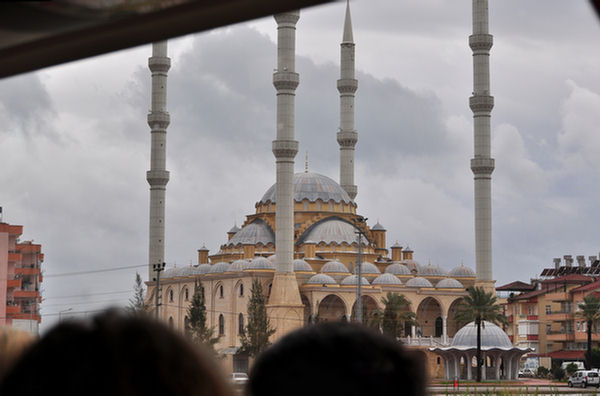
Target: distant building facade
{"x":543,"y":315}
{"x":20,"y":279}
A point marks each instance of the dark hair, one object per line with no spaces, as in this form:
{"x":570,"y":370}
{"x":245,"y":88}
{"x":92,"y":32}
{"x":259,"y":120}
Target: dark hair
{"x":337,"y":359}
{"x":114,"y":354}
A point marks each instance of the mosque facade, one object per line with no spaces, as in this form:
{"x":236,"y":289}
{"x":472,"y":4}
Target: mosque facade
{"x":302,"y":242}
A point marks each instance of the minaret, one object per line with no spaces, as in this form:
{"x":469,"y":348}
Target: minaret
{"x":347,"y":85}
{"x":285,"y":306}
{"x":482,"y":165}
{"x":158,"y":176}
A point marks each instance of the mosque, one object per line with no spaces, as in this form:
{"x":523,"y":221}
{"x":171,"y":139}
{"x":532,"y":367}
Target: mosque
{"x":302,"y":242}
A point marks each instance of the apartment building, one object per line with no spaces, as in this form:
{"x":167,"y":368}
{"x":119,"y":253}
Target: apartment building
{"x":20,"y":279}
{"x":543,"y":314}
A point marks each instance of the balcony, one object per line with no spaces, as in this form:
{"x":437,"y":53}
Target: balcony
{"x":12,"y":283}
{"x":15,"y":257}
{"x":27,"y":271}
{"x":532,"y":337}
{"x":558,"y":296}
{"x":13,"y":309}
{"x":561,"y":335}
{"x":26,"y":294}
{"x":560,"y":316}
{"x":532,"y":317}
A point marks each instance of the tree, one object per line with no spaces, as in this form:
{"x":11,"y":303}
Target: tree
{"x":558,"y":373}
{"x":571,"y":368}
{"x":255,"y":338}
{"x":479,"y":306}
{"x":197,"y":327}
{"x":590,"y":311}
{"x":394,"y":316}
{"x":592,"y":358}
{"x":136,"y":303}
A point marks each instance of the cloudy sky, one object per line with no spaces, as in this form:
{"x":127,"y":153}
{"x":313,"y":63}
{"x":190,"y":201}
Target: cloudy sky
{"x":74,"y":144}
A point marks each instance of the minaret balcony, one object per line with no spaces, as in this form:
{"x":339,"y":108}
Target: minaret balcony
{"x":157,"y":178}
{"x":159,"y":119}
{"x":347,"y":138}
{"x":285,"y":148}
{"x":482,"y":166}
{"x":159,"y":64}
{"x":347,"y":85}
{"x":286,"y":81}
{"x":481,"y":103}
{"x":481,"y":42}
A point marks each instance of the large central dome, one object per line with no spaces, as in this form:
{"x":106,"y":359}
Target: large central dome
{"x":312,"y":186}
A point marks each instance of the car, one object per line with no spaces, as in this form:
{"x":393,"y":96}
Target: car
{"x":526,"y":373}
{"x":239,"y":378}
{"x":584,"y":378}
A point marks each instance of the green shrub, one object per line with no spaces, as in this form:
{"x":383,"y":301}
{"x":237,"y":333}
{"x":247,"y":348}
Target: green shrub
{"x":542,"y":372}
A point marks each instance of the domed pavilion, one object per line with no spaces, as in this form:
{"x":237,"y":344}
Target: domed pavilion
{"x":501,"y":358}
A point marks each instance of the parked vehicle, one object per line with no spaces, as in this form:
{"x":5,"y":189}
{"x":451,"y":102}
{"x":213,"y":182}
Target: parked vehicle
{"x":526,"y":373}
{"x":584,"y":378}
{"x":239,"y":378}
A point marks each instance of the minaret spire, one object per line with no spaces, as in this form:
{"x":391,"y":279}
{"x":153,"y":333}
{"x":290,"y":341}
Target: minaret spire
{"x":482,"y":164}
{"x":347,"y":86}
{"x":158,"y":177}
{"x":285,"y":305}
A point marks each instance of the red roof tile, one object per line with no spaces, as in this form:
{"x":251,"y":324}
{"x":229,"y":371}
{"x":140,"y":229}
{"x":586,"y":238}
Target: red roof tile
{"x":516,"y":286}
{"x":589,"y":286}
{"x":571,"y":278}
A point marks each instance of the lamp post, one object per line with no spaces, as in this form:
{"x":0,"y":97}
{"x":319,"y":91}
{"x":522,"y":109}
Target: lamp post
{"x":359,"y":307}
{"x":158,"y":268}
{"x":61,"y":312}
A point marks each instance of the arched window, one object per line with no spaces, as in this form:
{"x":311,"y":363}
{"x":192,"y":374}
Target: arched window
{"x":241,"y":290}
{"x":269,"y":291}
{"x":170,"y":322}
{"x":171,"y":295}
{"x":202,"y":291}
{"x":186,"y":325}
{"x":221,"y":291}
{"x":187,"y":294}
{"x":241,"y":323}
{"x":221,"y":324}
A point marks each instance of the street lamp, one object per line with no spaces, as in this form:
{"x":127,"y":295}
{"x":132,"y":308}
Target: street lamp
{"x":61,"y":312}
{"x":359,"y":308}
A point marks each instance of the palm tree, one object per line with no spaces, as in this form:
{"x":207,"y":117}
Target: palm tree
{"x":395,"y":314}
{"x":590,"y":311}
{"x":479,"y":306}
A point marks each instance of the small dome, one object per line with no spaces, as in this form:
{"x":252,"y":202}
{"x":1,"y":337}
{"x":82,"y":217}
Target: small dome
{"x":272,"y":258}
{"x":202,"y":269}
{"x":418,"y":282}
{"x":238,"y":265}
{"x":492,"y":336}
{"x":256,"y":232}
{"x":386,"y":279}
{"x":334,"y":267}
{"x":219,"y":268}
{"x":378,"y":227}
{"x":170,"y":273}
{"x":412,"y":265}
{"x":396,"y":245}
{"x":331,"y":230}
{"x":449,"y":283}
{"x":260,"y":263}
{"x":321,"y":279}
{"x":234,"y":229}
{"x":302,"y":266}
{"x":353,"y":280}
{"x":431,"y":270}
{"x":462,"y":272}
{"x":369,"y":268}
{"x":397,"y":269}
